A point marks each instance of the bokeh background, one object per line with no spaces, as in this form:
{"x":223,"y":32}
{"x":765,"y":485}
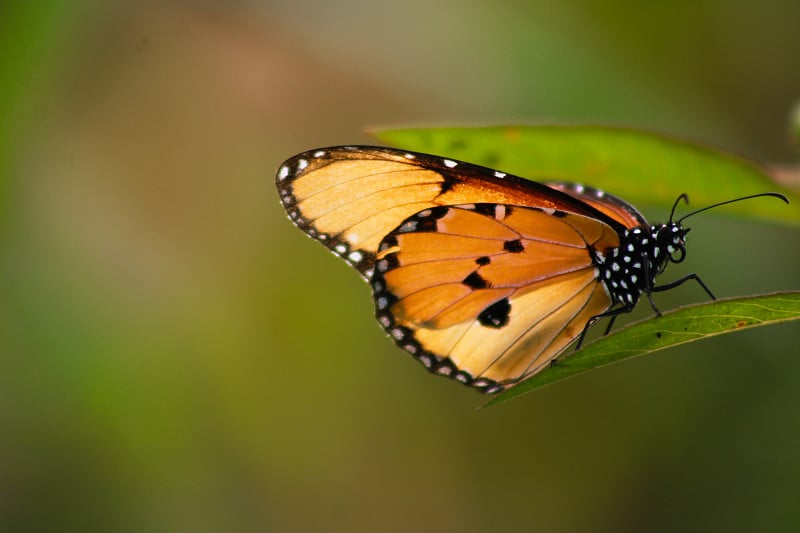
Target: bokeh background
{"x":176,"y":356}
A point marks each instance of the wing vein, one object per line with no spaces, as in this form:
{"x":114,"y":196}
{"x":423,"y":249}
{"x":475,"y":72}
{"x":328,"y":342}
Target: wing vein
{"x":529,"y":328}
{"x":363,"y":176}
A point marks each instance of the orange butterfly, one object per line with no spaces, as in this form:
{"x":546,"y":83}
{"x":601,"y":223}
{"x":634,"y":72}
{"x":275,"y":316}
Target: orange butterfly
{"x":481,"y":276}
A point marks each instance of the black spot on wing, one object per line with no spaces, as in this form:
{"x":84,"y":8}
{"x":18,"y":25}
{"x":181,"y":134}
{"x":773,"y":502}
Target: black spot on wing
{"x":427,"y":225}
{"x":475,"y":281}
{"x":496,"y":315}
{"x":483,"y":260}
{"x":448,"y":183}
{"x":514,"y":246}
{"x":486,"y":209}
{"x":434,"y":212}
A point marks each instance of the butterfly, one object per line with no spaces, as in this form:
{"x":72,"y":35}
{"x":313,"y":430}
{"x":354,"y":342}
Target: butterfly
{"x":481,"y":276}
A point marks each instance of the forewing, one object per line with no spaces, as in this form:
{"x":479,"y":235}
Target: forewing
{"x":610,"y":205}
{"x":350,"y":198}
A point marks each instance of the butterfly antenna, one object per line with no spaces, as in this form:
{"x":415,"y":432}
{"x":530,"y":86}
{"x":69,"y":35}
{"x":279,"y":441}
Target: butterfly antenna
{"x":773,"y":194}
{"x":683,"y":197}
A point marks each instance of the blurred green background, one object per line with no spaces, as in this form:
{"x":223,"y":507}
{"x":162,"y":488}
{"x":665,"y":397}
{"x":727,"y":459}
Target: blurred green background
{"x":176,"y":356}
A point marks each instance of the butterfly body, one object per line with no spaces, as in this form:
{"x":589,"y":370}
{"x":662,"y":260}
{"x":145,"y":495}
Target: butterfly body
{"x":629,"y":270}
{"x":481,"y":276}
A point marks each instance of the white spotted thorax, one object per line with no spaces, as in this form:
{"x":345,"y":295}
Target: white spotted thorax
{"x":643,"y":253}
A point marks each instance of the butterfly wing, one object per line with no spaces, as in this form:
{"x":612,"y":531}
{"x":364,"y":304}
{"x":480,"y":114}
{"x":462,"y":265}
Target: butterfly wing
{"x":489,"y":294}
{"x":610,"y":205}
{"x":350,"y":198}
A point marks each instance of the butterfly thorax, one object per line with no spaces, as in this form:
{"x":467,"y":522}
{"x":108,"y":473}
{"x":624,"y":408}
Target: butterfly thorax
{"x":630,"y":269}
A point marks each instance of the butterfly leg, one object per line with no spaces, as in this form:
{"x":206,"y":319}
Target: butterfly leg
{"x":611,"y":313}
{"x":649,"y":293}
{"x":610,"y":325}
{"x":675,"y":283}
{"x":650,"y":286}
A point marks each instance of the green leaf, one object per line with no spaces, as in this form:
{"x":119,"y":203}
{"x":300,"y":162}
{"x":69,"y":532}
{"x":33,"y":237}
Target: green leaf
{"x":641,"y":167}
{"x":682,"y":325}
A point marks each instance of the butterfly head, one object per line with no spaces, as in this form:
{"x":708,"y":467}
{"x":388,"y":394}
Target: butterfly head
{"x":670,"y":240}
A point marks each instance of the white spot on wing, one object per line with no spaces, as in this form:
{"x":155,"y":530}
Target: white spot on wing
{"x":411,"y":225}
{"x":449,"y":163}
{"x":283,"y":173}
{"x":319,"y":153}
{"x":355,"y":257}
{"x":499,"y":174}
{"x":409,"y":156}
{"x":302,"y":164}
